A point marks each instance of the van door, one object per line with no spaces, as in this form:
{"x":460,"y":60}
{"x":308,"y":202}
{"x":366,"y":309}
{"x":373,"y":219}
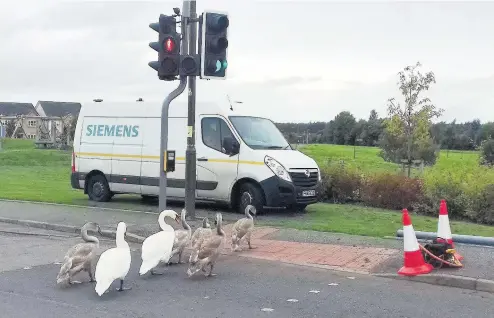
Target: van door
{"x":216,"y":170}
{"x":126,"y":156}
{"x":95,"y":147}
{"x":150,"y":170}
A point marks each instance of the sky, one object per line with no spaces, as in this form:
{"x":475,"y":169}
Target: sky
{"x":295,"y":61}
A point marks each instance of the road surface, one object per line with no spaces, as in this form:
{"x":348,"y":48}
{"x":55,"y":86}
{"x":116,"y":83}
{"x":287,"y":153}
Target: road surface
{"x":243,"y":288}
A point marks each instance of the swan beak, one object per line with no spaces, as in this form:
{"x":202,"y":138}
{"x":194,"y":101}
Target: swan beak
{"x":177,"y":219}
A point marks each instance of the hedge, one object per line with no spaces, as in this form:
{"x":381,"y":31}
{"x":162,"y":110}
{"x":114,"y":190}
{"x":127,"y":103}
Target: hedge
{"x":469,"y":191}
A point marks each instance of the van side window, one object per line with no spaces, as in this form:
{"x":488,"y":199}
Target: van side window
{"x":213,"y":130}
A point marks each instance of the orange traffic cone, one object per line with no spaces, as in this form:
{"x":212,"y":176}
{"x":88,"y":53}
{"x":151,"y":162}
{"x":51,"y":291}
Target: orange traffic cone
{"x":443,"y":228}
{"x":414,"y":263}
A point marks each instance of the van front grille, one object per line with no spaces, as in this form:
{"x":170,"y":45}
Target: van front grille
{"x":303,"y":179}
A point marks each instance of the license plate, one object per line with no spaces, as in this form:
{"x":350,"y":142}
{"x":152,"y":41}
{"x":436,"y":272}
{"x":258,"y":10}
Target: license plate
{"x":309,"y":193}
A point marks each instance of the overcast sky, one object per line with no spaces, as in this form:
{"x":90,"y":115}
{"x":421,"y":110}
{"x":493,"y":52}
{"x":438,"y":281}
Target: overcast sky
{"x":321,"y":57}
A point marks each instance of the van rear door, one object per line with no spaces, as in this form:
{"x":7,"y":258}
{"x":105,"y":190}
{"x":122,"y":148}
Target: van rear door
{"x":126,"y":154}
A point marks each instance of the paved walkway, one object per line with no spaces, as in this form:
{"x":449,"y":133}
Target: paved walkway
{"x":349,"y":258}
{"x":331,"y":256}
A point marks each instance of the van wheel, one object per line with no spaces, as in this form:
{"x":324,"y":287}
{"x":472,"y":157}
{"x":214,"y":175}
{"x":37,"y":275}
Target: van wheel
{"x":250,"y":194}
{"x":98,"y":189}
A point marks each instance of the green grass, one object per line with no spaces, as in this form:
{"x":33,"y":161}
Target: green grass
{"x":43,"y":175}
{"x":33,"y":174}
{"x":367,"y":159}
{"x":358,"y":220}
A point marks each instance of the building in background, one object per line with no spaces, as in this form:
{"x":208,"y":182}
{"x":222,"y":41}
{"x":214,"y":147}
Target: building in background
{"x":65,"y":112}
{"x":24,"y":115}
{"x":31,"y":120}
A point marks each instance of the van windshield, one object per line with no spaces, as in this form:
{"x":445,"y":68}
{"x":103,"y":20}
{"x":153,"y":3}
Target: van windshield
{"x":259,"y":133}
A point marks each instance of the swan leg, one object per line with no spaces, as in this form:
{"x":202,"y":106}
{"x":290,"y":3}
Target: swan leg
{"x":91,"y":275}
{"x":121,"y":288}
{"x":211,"y":266}
{"x":247,"y":238}
{"x":180,"y":256}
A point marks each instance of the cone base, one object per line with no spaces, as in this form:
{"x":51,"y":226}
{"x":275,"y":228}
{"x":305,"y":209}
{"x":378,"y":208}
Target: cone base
{"x":417,"y":270}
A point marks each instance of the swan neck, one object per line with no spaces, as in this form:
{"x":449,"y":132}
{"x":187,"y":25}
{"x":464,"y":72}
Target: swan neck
{"x":184,"y":222}
{"x":120,"y":240}
{"x":219,"y":230}
{"x":88,"y":238}
{"x":162,"y":223}
{"x":248,"y":215}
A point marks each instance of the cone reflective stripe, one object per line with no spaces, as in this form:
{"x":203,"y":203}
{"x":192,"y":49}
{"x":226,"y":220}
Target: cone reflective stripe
{"x":414,"y":263}
{"x":443,"y":228}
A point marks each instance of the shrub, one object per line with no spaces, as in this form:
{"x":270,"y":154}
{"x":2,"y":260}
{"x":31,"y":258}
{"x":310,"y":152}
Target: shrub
{"x":341,"y":184}
{"x":392,"y":191}
{"x":482,"y":208}
{"x":487,"y":152}
{"x":467,"y":187}
{"x":463,"y":186}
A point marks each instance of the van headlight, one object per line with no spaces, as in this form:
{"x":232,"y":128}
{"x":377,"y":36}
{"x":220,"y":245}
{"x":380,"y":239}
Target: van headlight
{"x":277,"y":168}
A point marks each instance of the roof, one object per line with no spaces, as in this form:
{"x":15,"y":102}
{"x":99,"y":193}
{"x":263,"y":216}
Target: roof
{"x":146,"y":109}
{"x":13,"y":109}
{"x":59,"y":109}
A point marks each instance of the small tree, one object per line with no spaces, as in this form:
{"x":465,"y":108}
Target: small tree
{"x":9,"y":128}
{"x":407,"y":127}
{"x":72,"y":125}
{"x":487,"y":152}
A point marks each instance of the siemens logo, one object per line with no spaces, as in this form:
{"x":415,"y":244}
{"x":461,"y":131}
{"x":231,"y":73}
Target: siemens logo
{"x":112,"y":130}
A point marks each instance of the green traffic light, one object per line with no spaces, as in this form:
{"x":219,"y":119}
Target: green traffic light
{"x":221,"y":65}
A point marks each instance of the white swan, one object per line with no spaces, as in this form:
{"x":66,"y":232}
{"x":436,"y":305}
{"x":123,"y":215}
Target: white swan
{"x":114,"y":263}
{"x":157,"y":248}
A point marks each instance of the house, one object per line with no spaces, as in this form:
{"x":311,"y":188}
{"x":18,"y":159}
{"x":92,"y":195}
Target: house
{"x":24,"y":114}
{"x":66,"y":111}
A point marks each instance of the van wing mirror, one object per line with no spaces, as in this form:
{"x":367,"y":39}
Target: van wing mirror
{"x":231,"y":146}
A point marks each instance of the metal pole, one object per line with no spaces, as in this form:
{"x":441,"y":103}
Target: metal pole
{"x":164,"y":119}
{"x":190,"y":153}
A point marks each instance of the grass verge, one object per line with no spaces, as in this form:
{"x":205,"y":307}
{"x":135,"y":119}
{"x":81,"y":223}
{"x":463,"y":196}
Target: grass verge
{"x":33,"y":174}
{"x":358,"y":220}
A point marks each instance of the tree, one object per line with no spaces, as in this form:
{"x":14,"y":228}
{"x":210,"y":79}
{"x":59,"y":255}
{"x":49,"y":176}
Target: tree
{"x":342,"y":127}
{"x":407,"y":127}
{"x":487,"y":152}
{"x":71,"y":127}
{"x":9,"y":128}
{"x":370,"y":135}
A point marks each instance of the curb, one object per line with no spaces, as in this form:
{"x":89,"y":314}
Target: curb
{"x":78,"y":206}
{"x":197,"y":218}
{"x":464,"y":282}
{"x":130,"y":237}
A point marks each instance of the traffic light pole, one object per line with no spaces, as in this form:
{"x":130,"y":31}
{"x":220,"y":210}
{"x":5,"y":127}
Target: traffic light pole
{"x":164,"y":120}
{"x":190,"y":153}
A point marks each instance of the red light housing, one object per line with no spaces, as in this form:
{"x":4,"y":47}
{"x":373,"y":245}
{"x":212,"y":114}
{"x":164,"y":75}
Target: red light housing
{"x":169,"y":45}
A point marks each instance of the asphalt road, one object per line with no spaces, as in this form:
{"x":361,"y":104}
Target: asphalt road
{"x":243,"y":288}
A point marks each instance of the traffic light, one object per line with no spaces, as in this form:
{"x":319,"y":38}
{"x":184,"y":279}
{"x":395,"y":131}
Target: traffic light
{"x":214,"y":44}
{"x":168,"y":48}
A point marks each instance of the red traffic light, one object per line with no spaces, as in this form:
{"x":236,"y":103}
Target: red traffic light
{"x":170,"y":45}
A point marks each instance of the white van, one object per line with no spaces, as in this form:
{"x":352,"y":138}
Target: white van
{"x":240,"y":159}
